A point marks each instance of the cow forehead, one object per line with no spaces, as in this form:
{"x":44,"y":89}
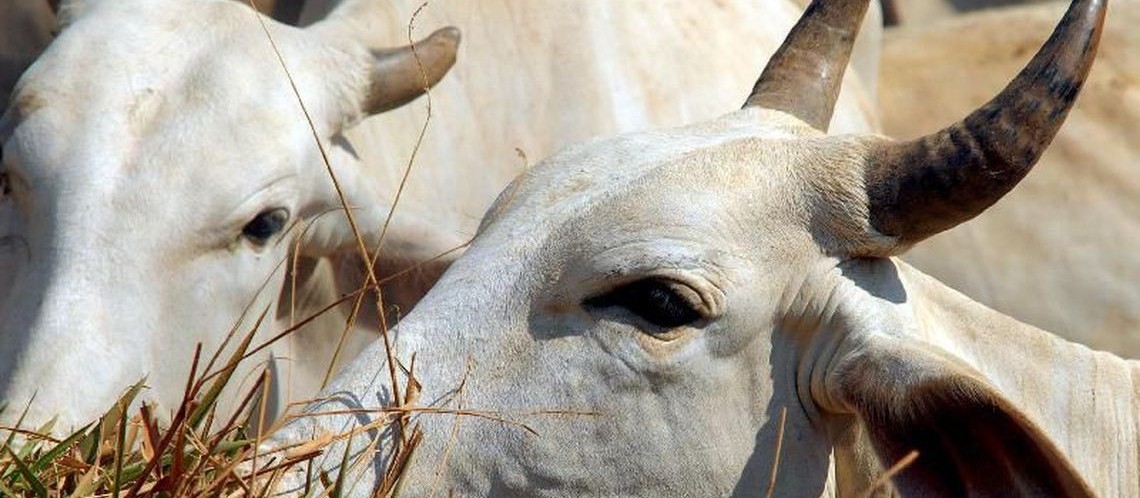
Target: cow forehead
{"x":205,"y":69}
{"x":682,"y":183}
{"x":169,"y":100}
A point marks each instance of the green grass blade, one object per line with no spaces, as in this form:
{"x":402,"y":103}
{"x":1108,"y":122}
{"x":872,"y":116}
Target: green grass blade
{"x":229,"y":447}
{"x":120,"y":409}
{"x":338,"y":486}
{"x":59,"y":449}
{"x":211,"y":396}
{"x":33,"y":444}
{"x":120,"y":443}
{"x":29,"y":476}
{"x":12,"y":434}
{"x":91,"y":444}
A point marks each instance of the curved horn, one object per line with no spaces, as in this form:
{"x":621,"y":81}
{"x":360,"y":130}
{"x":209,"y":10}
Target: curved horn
{"x":802,"y":78}
{"x":400,"y":75}
{"x":921,"y":187}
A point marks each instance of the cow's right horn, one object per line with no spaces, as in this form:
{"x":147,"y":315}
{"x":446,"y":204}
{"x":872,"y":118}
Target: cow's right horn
{"x":921,"y":187}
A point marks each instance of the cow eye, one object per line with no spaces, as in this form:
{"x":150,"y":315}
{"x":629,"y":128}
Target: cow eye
{"x":5,"y":184}
{"x":265,"y":225}
{"x":654,"y":300}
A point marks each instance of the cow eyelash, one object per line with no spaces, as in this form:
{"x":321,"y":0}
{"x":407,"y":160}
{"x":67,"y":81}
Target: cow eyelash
{"x":654,"y":300}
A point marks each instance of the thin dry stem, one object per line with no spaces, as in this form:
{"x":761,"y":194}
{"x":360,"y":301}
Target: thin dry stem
{"x":882,"y":480}
{"x":460,"y":398}
{"x":779,"y":448}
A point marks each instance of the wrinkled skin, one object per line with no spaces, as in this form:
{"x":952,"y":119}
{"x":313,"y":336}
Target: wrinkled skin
{"x":757,"y":228}
{"x":1064,"y":260}
{"x":150,"y":205}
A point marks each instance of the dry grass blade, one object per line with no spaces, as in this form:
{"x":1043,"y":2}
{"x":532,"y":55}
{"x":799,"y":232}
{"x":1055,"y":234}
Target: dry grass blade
{"x":779,"y":449}
{"x":460,"y":399}
{"x":396,"y":470}
{"x":882,"y":480}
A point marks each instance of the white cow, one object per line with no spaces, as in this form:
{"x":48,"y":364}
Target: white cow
{"x":683,"y":287}
{"x":154,"y":157}
{"x":174,"y":140}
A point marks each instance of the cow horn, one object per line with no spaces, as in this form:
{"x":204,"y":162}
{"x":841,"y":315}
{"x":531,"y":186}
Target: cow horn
{"x":921,"y":187}
{"x":803,"y":77}
{"x":400,"y":75}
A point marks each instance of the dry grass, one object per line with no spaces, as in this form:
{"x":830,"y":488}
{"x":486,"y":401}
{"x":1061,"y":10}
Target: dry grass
{"x":131,"y":453}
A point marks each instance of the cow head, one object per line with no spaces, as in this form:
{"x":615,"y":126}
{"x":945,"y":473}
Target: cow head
{"x":157,"y":170}
{"x":649,"y":305}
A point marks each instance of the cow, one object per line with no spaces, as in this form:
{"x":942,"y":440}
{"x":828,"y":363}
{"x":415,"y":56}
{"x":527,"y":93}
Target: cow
{"x":154,"y":159}
{"x":129,"y":285}
{"x":1063,"y":262}
{"x":705,"y":310}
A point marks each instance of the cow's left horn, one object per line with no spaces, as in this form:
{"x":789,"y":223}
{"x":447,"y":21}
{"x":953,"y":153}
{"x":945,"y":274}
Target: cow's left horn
{"x":400,"y":75}
{"x":924,"y":186}
{"x":802,"y":78}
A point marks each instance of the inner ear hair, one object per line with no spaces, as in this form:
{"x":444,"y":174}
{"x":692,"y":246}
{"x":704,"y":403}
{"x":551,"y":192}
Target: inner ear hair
{"x":970,"y":439}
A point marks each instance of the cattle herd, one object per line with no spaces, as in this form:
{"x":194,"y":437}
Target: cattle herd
{"x":579,"y":266}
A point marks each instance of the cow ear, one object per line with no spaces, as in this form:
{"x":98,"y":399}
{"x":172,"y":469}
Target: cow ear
{"x":413,"y":254}
{"x":971,"y":441}
{"x":404,"y":239}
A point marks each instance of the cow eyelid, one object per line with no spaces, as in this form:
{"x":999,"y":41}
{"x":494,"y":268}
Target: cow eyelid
{"x":654,"y":300}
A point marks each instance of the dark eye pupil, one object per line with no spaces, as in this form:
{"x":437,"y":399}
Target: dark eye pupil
{"x":266,"y":225}
{"x":652,"y":300}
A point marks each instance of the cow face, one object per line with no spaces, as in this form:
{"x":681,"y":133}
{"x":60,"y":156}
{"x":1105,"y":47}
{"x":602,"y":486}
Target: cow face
{"x":660,"y":287}
{"x":648,"y":306}
{"x":157,"y":168}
